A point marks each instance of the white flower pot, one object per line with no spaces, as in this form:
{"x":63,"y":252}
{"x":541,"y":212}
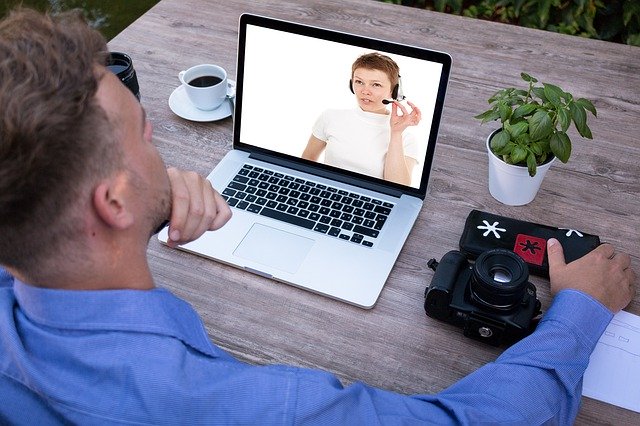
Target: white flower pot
{"x":512,"y":185}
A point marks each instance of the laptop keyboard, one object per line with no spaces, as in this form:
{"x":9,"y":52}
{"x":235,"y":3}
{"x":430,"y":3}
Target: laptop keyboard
{"x":322,"y":208}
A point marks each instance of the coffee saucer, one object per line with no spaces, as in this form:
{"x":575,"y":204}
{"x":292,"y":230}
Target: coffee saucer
{"x":182,"y":107}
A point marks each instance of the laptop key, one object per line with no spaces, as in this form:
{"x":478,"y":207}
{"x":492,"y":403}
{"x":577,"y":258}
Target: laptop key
{"x":285,"y":217}
{"x":334,"y":232}
{"x":366,"y":231}
{"x":242,"y":205}
{"x":347,"y":226}
{"x":254,"y":208}
{"x":237,"y":185}
{"x":382,"y":210}
{"x":367,"y":243}
{"x":320,"y":227}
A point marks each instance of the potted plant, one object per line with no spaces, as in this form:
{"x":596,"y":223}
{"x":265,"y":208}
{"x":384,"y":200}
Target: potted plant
{"x":533,"y":132}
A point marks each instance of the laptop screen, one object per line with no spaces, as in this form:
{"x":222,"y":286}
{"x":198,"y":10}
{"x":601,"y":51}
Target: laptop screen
{"x":317,"y":95}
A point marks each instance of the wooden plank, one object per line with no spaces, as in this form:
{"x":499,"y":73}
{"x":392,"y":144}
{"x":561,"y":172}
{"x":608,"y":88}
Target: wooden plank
{"x":394,"y":345}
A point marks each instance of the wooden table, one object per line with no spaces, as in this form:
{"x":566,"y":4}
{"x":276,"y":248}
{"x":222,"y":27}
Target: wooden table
{"x":395,"y":346}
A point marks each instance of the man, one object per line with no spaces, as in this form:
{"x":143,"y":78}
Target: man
{"x":87,"y":338}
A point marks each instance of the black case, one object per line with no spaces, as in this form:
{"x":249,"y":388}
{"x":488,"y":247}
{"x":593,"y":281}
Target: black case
{"x":484,"y":231}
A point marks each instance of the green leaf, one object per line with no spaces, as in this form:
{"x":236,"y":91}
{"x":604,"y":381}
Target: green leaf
{"x":560,"y":146}
{"x":499,"y":141}
{"x":633,"y":39}
{"x":505,"y":111}
{"x":489,"y":115}
{"x":540,"y":125}
{"x":564,"y":119}
{"x":523,"y":110}
{"x":586,"y":104}
{"x":526,"y":77}
{"x":518,"y":129}
{"x":629,"y":9}
{"x":579,"y":118}
{"x":518,"y":155}
{"x":539,"y":92}
{"x":531,"y":164}
{"x":543,"y":12}
{"x":553,"y":93}
{"x":587,"y":132}
{"x":536,"y":148}
{"x":498,"y":95}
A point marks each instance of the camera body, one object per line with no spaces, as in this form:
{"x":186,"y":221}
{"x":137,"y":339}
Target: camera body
{"x":492,"y":299}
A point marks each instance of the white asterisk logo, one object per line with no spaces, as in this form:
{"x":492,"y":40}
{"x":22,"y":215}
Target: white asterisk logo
{"x":491,"y":228}
{"x":572,"y":231}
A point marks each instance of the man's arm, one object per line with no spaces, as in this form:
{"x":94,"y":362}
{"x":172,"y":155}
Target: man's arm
{"x":539,"y":379}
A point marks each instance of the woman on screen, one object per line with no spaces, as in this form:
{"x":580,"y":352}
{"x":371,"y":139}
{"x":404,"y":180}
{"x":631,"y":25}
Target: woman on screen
{"x":369,"y":139}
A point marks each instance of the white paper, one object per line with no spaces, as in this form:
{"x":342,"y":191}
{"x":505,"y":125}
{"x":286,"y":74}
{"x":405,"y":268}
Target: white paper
{"x":613,"y":374}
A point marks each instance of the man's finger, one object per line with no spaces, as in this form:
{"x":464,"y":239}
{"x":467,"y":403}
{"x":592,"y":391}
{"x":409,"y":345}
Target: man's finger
{"x":179,"y":204}
{"x":555,"y":254}
{"x":223,"y":213}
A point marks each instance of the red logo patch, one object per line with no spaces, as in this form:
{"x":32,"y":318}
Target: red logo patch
{"x":531,"y":249}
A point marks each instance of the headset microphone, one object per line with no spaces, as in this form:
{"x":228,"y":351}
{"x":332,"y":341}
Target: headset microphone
{"x":390,"y":101}
{"x":396,"y":93}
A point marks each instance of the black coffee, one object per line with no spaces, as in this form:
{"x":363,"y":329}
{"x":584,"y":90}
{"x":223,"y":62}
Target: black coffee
{"x":205,"y":81}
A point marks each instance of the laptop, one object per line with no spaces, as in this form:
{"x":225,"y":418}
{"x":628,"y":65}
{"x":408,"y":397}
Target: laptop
{"x":319,"y":224}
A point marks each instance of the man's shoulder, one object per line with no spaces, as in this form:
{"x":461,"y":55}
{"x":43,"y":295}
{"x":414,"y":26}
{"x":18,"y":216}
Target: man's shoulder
{"x":6,"y":279}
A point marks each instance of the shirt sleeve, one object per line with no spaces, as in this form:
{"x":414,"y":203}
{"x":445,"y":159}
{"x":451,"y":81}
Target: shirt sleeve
{"x":319,"y":127}
{"x":538,"y":380}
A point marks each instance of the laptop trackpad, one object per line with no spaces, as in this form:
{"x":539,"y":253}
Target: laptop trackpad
{"x":273,"y":247}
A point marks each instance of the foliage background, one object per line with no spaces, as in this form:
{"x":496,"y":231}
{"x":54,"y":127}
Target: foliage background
{"x":108,"y":16}
{"x":615,"y":20}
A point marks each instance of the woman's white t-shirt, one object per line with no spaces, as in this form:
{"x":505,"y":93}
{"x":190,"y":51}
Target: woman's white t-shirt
{"x":358,"y":140}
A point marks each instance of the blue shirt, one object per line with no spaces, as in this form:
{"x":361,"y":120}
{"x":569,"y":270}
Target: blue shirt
{"x":131,"y":356}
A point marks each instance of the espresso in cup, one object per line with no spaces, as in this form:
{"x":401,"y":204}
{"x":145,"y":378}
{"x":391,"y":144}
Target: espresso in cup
{"x":206,"y":86}
{"x":205,"y":81}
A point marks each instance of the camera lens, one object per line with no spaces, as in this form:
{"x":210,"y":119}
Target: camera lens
{"x":122,"y":66}
{"x":499,"y":280}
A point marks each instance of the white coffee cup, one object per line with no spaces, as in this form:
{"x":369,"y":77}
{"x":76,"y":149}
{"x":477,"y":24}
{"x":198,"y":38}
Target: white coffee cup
{"x":206,"y":86}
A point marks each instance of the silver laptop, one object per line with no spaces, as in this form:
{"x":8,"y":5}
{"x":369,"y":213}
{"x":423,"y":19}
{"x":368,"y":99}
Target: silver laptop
{"x":332,"y":225}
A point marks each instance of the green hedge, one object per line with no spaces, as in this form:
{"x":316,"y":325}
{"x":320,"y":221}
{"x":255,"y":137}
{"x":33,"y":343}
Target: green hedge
{"x":616,"y":20}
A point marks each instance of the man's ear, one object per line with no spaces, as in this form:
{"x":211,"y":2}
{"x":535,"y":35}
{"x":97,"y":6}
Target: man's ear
{"x":110,"y":202}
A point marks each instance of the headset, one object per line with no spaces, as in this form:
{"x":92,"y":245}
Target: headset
{"x":396,"y":93}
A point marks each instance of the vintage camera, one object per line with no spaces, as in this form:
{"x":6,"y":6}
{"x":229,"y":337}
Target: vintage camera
{"x":492,"y":299}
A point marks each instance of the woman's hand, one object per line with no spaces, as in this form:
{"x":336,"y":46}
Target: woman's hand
{"x":398,"y":122}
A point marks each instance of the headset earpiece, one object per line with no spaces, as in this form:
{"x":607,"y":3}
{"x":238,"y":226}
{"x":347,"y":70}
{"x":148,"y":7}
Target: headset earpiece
{"x":351,"y":86}
{"x":394,"y":92}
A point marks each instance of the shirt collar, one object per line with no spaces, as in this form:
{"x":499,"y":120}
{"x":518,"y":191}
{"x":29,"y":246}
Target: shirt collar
{"x":147,"y":311}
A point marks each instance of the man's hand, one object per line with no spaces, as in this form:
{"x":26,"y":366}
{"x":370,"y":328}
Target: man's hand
{"x":195,"y":207}
{"x":604,"y":274}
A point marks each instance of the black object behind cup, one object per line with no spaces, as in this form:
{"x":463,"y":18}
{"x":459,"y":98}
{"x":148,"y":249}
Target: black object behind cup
{"x":122,"y":66}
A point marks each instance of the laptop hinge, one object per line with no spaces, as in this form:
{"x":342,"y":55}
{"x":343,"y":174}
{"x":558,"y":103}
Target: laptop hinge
{"x":362,"y":183}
